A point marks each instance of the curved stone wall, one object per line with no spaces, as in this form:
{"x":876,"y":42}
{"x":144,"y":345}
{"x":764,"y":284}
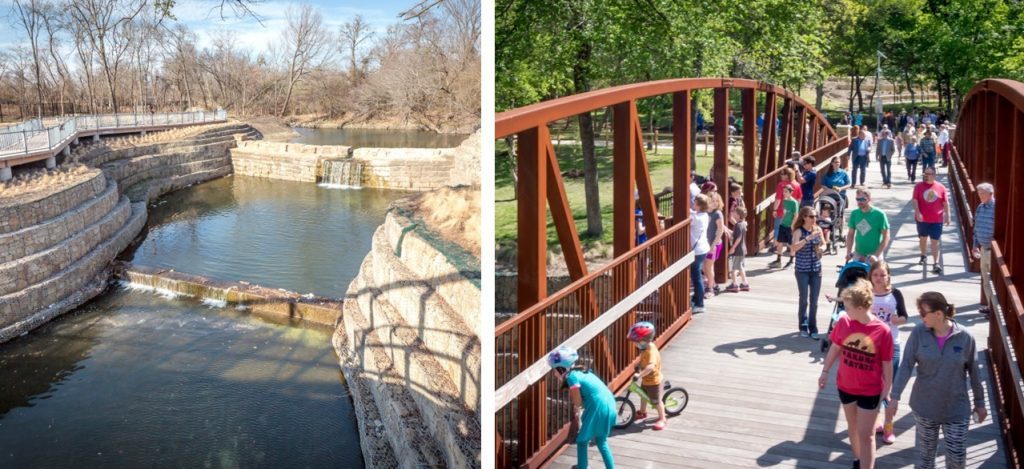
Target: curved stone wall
{"x":409,"y":336}
{"x":16,"y":217}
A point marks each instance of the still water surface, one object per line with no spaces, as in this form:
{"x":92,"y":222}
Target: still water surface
{"x":279,"y":234}
{"x":132,"y":379}
{"x":375,"y":138}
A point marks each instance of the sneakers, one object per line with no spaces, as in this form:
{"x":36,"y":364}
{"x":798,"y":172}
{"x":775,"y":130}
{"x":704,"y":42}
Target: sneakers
{"x":698,"y":309}
{"x":937,"y":269}
{"x":732,"y":288}
{"x":717,"y":290}
{"x":804,"y":334}
{"x":788,"y":263}
{"x":744,"y":287}
{"x":888,"y":437}
{"x":814,"y":335}
{"x":775,"y":264}
{"x":923,"y":260}
{"x":640,"y":416}
{"x":879,"y":429}
{"x":660,"y":425}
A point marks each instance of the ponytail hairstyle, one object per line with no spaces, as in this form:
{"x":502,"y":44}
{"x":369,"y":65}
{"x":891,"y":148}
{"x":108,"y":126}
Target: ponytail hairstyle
{"x":935,"y":301}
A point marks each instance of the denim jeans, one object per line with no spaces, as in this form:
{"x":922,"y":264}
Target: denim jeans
{"x":809,"y":285}
{"x":885,"y":162}
{"x":697,"y":279}
{"x":860,"y":163}
{"x":912,"y":170}
{"x":928,"y":162}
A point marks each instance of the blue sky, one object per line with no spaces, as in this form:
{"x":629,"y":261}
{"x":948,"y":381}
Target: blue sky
{"x":203,"y":17}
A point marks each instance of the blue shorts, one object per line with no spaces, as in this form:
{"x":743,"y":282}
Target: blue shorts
{"x":931,"y":230}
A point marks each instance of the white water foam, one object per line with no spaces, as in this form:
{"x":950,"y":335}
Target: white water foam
{"x":214,"y":303}
{"x":163,"y":292}
{"x":338,"y":186}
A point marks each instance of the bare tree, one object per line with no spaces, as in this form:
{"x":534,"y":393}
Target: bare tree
{"x":106,"y":24}
{"x":353,"y":33}
{"x":29,"y":15}
{"x":306,"y":45}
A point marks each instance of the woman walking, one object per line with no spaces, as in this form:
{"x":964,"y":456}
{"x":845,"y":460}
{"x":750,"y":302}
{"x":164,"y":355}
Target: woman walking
{"x":888,"y":305}
{"x":837,"y":179}
{"x":943,"y":352}
{"x":699,"y":244}
{"x":913,"y":152}
{"x":865,"y":372}
{"x":807,"y":248}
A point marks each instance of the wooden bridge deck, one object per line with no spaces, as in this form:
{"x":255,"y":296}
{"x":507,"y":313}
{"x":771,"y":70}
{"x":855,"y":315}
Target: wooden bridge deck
{"x":754,"y":400}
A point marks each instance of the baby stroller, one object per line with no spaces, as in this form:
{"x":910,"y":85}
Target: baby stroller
{"x":830,"y":207}
{"x":847,"y":275}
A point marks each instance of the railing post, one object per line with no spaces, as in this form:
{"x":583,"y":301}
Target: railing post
{"x":720,"y":168}
{"x":532,"y":282}
{"x":682,"y":134}
{"x":748,"y":102}
{"x":24,"y":138}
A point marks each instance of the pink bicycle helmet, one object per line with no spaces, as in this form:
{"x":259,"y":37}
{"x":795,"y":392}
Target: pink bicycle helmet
{"x":642,"y":330}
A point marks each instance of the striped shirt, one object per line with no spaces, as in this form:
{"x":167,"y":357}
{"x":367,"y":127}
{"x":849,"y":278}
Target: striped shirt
{"x":807,"y":257}
{"x":985,"y":223}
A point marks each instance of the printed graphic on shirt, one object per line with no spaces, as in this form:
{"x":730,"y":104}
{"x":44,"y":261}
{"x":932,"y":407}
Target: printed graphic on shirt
{"x":863,"y":227}
{"x":859,"y":351}
{"x":885,"y":314}
{"x":930,"y":195}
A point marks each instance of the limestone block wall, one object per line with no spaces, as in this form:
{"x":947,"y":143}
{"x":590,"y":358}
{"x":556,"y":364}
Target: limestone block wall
{"x":415,"y":169}
{"x":13,"y":218}
{"x":465,"y":169}
{"x":409,"y":336}
{"x":288,"y":161}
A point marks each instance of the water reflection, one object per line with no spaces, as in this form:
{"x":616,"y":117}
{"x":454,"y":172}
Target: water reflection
{"x":375,"y":138}
{"x":135,"y":380}
{"x":277,"y":234}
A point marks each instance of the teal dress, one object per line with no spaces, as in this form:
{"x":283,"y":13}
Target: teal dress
{"x":598,"y":416}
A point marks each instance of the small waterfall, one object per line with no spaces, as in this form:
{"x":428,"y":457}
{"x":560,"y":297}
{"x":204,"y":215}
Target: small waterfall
{"x":342,"y":174}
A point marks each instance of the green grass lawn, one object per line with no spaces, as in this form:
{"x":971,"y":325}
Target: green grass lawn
{"x":570,"y":157}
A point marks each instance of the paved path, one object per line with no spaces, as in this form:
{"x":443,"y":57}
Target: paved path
{"x":752,"y":380}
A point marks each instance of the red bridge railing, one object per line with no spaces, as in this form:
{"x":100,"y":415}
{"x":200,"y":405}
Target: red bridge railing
{"x":990,"y":148}
{"x":646,"y":282}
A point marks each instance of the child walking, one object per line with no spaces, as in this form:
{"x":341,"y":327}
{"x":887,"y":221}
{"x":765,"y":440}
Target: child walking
{"x":785,"y":237}
{"x":597,"y":401}
{"x":737,"y":252}
{"x":650,"y":371}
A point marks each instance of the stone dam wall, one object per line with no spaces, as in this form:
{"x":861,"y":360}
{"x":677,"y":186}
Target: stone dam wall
{"x":415,"y":169}
{"x":56,"y":251}
{"x":410,"y":349}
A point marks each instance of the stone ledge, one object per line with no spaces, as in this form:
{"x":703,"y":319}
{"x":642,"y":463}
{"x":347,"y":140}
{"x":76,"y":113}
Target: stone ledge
{"x":35,"y":238}
{"x":20,"y":216}
{"x":91,"y":289}
{"x":148,"y":190}
{"x":14,"y":307}
{"x":169,"y":169}
{"x":21,"y":273}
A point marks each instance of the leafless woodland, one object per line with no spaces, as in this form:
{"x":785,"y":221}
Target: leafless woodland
{"x":85,"y":56}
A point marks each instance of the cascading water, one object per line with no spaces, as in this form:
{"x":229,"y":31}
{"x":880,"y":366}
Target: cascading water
{"x":342,"y":174}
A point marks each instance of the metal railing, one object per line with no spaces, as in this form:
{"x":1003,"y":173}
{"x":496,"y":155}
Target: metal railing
{"x":989,"y":148}
{"x":33,"y":136}
{"x":646,"y":282}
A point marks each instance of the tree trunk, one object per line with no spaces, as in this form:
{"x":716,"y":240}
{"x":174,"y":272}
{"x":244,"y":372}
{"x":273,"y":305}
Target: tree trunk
{"x":910,"y":88}
{"x":819,"y":94}
{"x":594,"y":225}
{"x":513,"y":167}
{"x":860,"y":94}
{"x":853,"y":89}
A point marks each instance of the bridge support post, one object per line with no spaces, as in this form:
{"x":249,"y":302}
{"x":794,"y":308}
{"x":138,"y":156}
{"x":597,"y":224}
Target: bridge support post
{"x":143,"y":133}
{"x":720,"y":169}
{"x":748,"y":101}
{"x":51,"y":162}
{"x":96,"y":138}
{"x":5,"y":174}
{"x":67,"y":150}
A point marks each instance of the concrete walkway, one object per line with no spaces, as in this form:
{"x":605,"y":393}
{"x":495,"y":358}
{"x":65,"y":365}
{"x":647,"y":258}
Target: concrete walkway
{"x":754,"y":400}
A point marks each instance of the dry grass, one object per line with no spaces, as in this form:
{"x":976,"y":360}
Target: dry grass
{"x":454,"y":213}
{"x":36,"y":185}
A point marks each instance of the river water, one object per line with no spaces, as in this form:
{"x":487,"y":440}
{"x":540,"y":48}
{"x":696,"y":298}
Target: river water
{"x":375,"y":138}
{"x":134,"y":379}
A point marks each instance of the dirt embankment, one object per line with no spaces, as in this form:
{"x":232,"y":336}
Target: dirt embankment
{"x":351,"y":122}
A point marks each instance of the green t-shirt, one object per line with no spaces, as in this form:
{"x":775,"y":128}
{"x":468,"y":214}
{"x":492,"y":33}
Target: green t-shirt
{"x":868,"y":228}
{"x":790,"y":207}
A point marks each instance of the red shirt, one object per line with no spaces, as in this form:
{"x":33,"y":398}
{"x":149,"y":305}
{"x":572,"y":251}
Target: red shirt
{"x":864,"y":348}
{"x":930,"y":200}
{"x":797,"y":194}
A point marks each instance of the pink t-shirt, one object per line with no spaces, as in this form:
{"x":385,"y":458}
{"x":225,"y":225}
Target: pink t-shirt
{"x":864,"y":348}
{"x":797,"y":194}
{"x":930,"y":199}
{"x":942,"y":340}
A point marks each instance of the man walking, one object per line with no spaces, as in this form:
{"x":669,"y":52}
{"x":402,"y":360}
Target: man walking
{"x":869,"y":231}
{"x":931,"y":210}
{"x":984,"y":229}
{"x":860,"y":148}
{"x":807,"y":180}
{"x":886,"y":147}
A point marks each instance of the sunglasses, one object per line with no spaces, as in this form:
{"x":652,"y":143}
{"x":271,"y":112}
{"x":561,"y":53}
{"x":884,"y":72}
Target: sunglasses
{"x":862,"y":199}
{"x":810,"y":216}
